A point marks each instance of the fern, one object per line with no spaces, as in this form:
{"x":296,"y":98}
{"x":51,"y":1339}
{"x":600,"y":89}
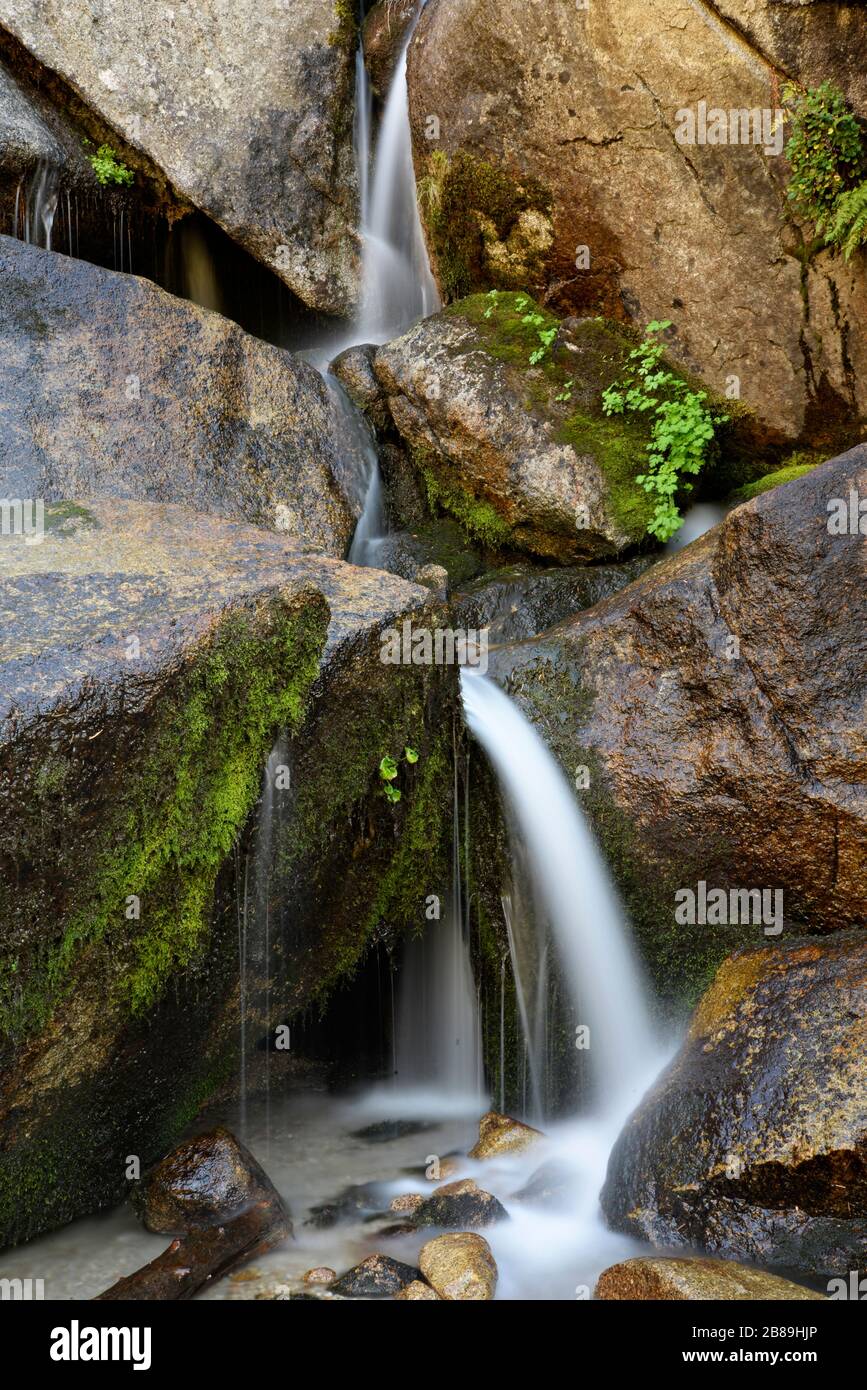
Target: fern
{"x":847,"y":225}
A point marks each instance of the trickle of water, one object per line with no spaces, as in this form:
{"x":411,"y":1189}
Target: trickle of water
{"x":574,"y":887}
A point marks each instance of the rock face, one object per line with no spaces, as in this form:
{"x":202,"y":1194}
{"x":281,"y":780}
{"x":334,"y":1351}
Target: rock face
{"x":32,"y":131}
{"x":461,"y":1203}
{"x":202,"y":1182}
{"x":716,"y":707}
{"x":696,"y":1281}
{"x":493,"y":441}
{"x":556,"y":167}
{"x":151,"y":656}
{"x":460,"y":1267}
{"x":753,"y":1143}
{"x":246,"y":108}
{"x":111,"y":387}
{"x":500,"y":1134}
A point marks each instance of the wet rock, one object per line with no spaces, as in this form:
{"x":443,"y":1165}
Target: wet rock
{"x":695,"y":1280}
{"x":753,"y":1142}
{"x":384,"y":1131}
{"x":417,"y":1292}
{"x":113,"y":388}
{"x":354,"y":370}
{"x":395,"y":1230}
{"x":434,"y":544}
{"x":205,"y":1180}
{"x":718,"y":747}
{"x":151,"y":655}
{"x":320,"y":1275}
{"x":435,"y":578}
{"x":500,"y":1134}
{"x":521,"y":601}
{"x":495,"y":444}
{"x":378,"y":1276}
{"x":32,"y":131}
{"x":213,"y":1190}
{"x":550,"y":1185}
{"x":587,"y":140}
{"x":384,"y":33}
{"x":358,"y":1202}
{"x":461,"y":1203}
{"x":460,"y":1267}
{"x":259,"y":137}
{"x":407,"y":1201}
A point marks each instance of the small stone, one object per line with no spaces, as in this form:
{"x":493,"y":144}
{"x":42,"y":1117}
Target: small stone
{"x":460,"y":1267}
{"x":695,"y":1280}
{"x":407,"y":1201}
{"x":320,"y":1275}
{"x":376,"y":1277}
{"x":500,"y":1134}
{"x":417,"y":1292}
{"x":461,"y":1203}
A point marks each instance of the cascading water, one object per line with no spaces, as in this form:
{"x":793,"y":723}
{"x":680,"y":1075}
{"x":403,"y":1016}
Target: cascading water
{"x":574,"y":887}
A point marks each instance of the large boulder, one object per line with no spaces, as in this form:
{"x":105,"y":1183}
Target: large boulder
{"x":202,"y":1182}
{"x":753,"y":1142}
{"x":32,"y":131}
{"x":111,"y":387}
{"x":151,"y":657}
{"x":547,"y":159}
{"x":496,"y":437}
{"x":711,"y":716}
{"x":245,"y":108}
{"x":383,"y":36}
{"x":695,"y":1280}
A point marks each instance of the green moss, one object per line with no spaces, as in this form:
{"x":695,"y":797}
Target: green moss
{"x":346,"y":33}
{"x":178,"y":814}
{"x":479,"y":519}
{"x":770,"y":480}
{"x":465,"y":201}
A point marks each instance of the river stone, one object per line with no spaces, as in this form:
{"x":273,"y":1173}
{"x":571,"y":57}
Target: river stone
{"x":460,"y":1267}
{"x":461,"y":1203}
{"x":417,"y":1292}
{"x":500,"y":1134}
{"x":720,"y":745}
{"x":245,"y":107}
{"x":652,"y":1277}
{"x":379,"y":1276}
{"x":150,"y":656}
{"x":204,"y":1180}
{"x":491,"y":444}
{"x":753,"y":1142}
{"x":568,"y":125}
{"x":112,"y":387}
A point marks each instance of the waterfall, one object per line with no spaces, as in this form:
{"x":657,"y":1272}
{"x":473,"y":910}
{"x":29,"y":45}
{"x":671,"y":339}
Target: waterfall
{"x":572,"y":882}
{"x":398,"y":287}
{"x":33,"y":219}
{"x":439,"y":1044}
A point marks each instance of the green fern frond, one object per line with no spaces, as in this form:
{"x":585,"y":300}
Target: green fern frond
{"x":847,"y":226}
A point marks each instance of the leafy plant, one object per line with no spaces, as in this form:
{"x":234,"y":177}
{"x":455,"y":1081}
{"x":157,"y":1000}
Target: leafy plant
{"x":388,"y":770}
{"x":108,"y":168}
{"x":827,"y":153}
{"x":681,"y":433}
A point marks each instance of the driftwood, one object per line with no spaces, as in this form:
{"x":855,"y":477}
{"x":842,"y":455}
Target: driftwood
{"x":195,"y":1260}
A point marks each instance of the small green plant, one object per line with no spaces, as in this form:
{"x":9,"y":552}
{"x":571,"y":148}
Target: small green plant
{"x":108,"y":168}
{"x":682,"y":430}
{"x":388,"y":770}
{"x":828,"y":157}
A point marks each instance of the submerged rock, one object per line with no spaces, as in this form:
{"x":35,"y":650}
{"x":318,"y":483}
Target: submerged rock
{"x":711,"y":716}
{"x":695,"y":1280}
{"x":379,"y":1276}
{"x":151,"y":657}
{"x":460,"y":1267}
{"x":583,"y":181}
{"x":520,"y":460}
{"x":461,"y":1203}
{"x":114,"y":388}
{"x":753,"y":1142}
{"x":500,"y":1134}
{"x":258,"y":136}
{"x":550,"y":1186}
{"x":204,"y":1180}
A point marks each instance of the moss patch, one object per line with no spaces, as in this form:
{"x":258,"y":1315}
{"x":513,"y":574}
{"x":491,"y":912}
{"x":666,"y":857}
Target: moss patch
{"x":486,"y":227}
{"x":480,"y":520}
{"x":787,"y":474}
